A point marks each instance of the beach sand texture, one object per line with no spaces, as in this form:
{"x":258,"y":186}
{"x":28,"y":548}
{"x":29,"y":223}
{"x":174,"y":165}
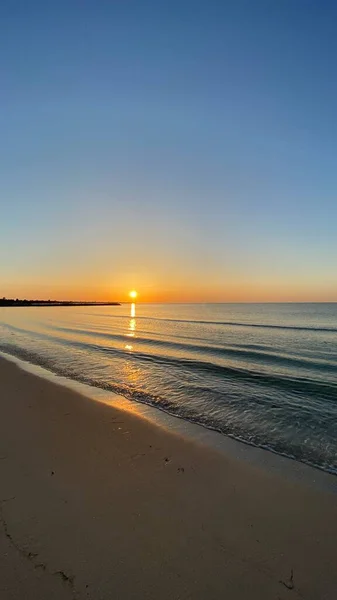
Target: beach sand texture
{"x":97,"y":503}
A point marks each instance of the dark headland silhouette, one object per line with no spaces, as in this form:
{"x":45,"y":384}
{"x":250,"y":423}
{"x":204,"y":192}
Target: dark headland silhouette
{"x":16,"y":302}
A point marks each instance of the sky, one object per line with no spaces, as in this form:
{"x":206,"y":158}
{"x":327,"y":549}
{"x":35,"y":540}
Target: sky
{"x":184,"y":149}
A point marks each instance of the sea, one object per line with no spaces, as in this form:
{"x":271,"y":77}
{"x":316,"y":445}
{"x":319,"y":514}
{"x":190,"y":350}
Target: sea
{"x":265,"y":374}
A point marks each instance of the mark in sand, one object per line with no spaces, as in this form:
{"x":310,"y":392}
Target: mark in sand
{"x":32,"y":556}
{"x":66,"y":578}
{"x":289,"y":584}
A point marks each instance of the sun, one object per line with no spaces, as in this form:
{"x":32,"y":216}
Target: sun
{"x":133,"y":294}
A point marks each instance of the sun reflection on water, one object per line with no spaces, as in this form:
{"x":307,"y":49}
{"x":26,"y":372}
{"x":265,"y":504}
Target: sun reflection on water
{"x":132,"y":321}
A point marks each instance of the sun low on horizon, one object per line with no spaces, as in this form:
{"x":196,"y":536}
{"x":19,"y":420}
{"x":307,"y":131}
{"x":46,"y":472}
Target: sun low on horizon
{"x":158,"y":199}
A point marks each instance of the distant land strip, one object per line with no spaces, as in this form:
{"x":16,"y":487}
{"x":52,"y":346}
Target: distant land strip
{"x":17,"y":302}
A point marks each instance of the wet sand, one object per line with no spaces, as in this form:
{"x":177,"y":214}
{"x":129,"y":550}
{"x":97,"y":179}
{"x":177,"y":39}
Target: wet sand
{"x":97,"y":503}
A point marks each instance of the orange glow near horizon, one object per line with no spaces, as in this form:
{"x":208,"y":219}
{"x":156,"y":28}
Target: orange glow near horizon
{"x":175,"y":289}
{"x":133,"y":294}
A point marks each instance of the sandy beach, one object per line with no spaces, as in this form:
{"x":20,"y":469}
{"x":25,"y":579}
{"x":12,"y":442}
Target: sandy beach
{"x":97,"y":503}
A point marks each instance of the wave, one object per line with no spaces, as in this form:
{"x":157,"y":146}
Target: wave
{"x":315,"y":458}
{"x":227,"y":351}
{"x":301,"y":386}
{"x":231,"y":323}
{"x":238,"y":352}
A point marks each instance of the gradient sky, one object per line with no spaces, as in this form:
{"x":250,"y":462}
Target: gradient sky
{"x":186,"y":149}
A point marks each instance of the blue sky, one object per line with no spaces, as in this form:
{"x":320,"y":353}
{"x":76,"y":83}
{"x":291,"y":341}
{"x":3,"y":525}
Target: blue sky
{"x":185,"y":148}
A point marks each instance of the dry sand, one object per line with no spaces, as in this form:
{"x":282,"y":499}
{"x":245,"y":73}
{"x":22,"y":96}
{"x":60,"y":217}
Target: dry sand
{"x":99,"y":504}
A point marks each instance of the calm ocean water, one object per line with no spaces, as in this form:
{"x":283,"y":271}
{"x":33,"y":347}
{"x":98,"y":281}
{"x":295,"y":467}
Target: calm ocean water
{"x":263,"y":373}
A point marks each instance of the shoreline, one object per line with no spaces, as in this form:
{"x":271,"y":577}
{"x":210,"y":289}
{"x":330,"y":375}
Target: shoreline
{"x":97,"y":502}
{"x":287,"y":466}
